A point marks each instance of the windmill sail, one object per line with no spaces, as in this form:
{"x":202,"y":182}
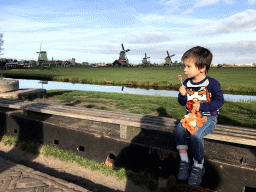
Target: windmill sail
{"x":168,"y":58}
{"x":122,"y":56}
{"x":145,"y":60}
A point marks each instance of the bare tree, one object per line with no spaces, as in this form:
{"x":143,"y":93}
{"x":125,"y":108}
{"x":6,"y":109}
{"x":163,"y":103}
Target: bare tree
{"x":1,"y":43}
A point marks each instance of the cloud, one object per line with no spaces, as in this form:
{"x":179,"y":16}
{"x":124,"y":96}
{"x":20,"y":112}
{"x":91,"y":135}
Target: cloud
{"x":252,"y":2}
{"x":243,"y":21}
{"x":234,"y":52}
{"x":229,"y":1}
{"x":238,"y":48}
{"x":202,"y":3}
{"x":169,"y":20}
{"x":148,"y":38}
{"x":172,"y":5}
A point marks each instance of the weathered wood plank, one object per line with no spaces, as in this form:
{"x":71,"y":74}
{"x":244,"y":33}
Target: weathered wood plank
{"x":232,"y":134}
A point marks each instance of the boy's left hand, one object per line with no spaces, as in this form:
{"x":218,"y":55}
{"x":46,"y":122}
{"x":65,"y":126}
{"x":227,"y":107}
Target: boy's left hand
{"x":196,"y":106}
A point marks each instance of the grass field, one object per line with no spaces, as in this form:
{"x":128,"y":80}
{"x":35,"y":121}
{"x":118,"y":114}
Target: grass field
{"x":231,"y":113}
{"x":232,"y":80}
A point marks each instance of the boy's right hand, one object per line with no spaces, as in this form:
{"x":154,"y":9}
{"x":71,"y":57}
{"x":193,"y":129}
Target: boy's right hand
{"x":182,"y":90}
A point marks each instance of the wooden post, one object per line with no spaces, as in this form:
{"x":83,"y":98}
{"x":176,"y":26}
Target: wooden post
{"x":123,"y":131}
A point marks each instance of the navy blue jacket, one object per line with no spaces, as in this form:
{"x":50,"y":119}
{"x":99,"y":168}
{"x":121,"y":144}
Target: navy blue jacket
{"x":208,"y":91}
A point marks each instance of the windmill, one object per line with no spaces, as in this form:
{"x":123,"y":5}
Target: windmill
{"x":145,"y":61}
{"x":168,"y":60}
{"x":42,"y":56}
{"x":122,"y":56}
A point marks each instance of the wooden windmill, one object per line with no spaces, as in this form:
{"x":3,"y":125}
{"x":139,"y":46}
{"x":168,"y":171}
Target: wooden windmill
{"x":122,"y":56}
{"x":145,"y":61}
{"x":123,"y":60}
{"x":42,"y":56}
{"x":168,"y":60}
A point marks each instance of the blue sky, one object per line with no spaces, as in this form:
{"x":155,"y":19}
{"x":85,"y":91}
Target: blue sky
{"x":93,"y":30}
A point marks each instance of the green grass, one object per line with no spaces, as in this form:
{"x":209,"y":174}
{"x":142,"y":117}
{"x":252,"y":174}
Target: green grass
{"x":237,"y":80}
{"x":141,"y":179}
{"x":31,"y":148}
{"x":9,"y":140}
{"x":238,"y":114}
{"x":140,"y":104}
{"x":231,"y":113}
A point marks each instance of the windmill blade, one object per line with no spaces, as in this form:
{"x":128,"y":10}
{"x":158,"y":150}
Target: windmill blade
{"x":145,"y":55}
{"x":123,"y":46}
{"x":148,"y":57}
{"x":127,"y":50}
{"x":168,"y":53}
{"x":172,"y":55}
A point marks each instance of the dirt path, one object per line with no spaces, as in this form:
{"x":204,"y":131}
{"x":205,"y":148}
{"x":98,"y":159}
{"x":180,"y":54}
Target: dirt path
{"x":70,"y":172}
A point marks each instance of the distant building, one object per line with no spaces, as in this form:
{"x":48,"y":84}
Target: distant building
{"x":13,"y":65}
{"x":73,"y":61}
{"x":85,"y":63}
{"x":101,"y":64}
{"x":118,"y":63}
{"x":244,"y":65}
{"x":55,"y":64}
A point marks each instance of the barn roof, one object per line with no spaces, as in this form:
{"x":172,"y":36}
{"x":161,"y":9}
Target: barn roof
{"x":121,"y":62}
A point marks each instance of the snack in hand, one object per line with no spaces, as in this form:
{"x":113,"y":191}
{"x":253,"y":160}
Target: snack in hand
{"x":180,"y":78}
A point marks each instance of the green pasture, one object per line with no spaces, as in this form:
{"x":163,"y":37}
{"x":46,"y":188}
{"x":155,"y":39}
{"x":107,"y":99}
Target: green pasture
{"x":233,"y":80}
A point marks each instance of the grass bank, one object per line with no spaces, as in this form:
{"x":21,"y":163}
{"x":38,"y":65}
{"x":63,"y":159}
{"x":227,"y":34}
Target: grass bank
{"x":233,"y":80}
{"x":231,"y":113}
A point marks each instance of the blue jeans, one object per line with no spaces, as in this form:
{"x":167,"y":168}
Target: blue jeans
{"x":197,"y":139}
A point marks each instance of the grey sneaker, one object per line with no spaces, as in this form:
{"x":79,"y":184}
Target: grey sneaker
{"x":196,"y":175}
{"x":184,"y":170}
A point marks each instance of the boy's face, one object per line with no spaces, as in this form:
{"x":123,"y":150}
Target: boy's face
{"x":191,"y":70}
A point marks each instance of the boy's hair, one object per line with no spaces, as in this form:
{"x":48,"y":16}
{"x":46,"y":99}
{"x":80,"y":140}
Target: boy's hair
{"x":201,"y":57}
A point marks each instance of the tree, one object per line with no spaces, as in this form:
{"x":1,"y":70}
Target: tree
{"x":1,"y":43}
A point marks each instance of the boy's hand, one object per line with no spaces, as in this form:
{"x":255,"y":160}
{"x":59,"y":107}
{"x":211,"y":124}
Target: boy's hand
{"x":182,"y":90}
{"x":196,"y":106}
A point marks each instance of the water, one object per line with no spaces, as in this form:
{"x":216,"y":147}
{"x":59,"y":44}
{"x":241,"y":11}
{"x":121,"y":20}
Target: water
{"x":24,"y":84}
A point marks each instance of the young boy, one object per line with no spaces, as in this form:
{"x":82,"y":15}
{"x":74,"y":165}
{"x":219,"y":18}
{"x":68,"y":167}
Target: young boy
{"x":207,"y":90}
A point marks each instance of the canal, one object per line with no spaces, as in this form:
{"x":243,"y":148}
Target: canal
{"x":49,"y":85}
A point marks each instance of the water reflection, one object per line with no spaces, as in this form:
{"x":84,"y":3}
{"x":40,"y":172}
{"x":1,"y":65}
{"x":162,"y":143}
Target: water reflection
{"x":48,"y":85}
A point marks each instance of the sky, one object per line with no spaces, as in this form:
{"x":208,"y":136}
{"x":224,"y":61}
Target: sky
{"x":93,"y":30}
